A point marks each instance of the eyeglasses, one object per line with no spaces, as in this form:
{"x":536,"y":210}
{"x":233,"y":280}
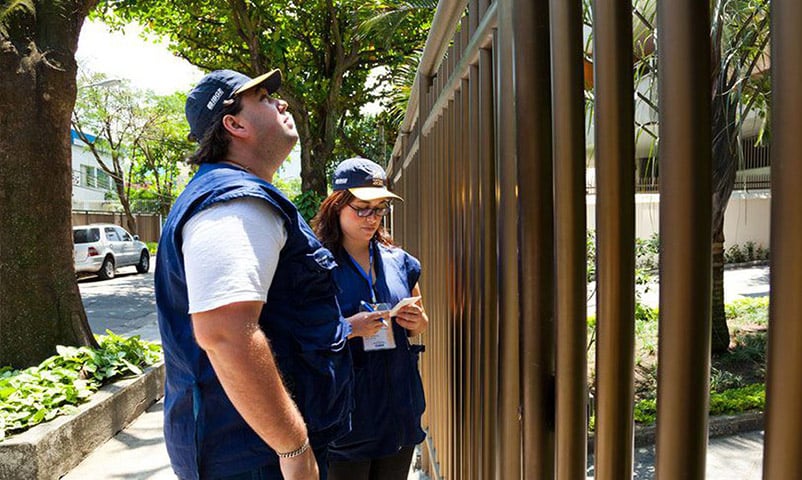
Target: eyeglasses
{"x":366,"y":212}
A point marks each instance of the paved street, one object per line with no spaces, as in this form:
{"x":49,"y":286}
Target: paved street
{"x":739,"y":457}
{"x":125,"y":304}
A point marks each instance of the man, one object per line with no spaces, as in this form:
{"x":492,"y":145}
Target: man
{"x":257,"y":373}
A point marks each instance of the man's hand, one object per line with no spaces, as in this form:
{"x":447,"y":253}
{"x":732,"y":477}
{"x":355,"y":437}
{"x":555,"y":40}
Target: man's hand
{"x":302,"y":467}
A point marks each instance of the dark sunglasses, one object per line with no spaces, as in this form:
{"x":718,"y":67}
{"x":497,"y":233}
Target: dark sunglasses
{"x":366,"y":212}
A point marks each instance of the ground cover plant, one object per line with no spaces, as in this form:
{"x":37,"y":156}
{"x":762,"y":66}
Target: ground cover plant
{"x":62,"y":382}
{"x":737,"y":379}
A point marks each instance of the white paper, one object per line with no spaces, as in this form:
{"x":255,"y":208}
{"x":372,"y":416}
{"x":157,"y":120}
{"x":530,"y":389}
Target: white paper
{"x":401,"y":304}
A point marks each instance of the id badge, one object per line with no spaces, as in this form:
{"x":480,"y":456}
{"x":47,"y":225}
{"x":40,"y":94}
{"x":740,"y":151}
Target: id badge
{"x":384,"y":338}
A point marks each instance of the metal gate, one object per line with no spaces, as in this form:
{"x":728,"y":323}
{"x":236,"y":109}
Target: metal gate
{"x":491,"y":161}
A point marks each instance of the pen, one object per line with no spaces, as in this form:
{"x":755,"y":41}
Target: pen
{"x":369,"y":308}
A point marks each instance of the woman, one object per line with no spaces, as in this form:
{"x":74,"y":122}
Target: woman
{"x":373,"y":274}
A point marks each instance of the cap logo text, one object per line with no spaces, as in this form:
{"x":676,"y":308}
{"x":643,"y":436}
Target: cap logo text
{"x":215,"y":98}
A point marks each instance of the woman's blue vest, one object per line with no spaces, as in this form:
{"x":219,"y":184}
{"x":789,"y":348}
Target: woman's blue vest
{"x":205,"y":435}
{"x":388,"y":392}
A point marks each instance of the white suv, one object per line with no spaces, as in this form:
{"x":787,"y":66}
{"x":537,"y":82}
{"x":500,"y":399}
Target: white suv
{"x":101,"y":248}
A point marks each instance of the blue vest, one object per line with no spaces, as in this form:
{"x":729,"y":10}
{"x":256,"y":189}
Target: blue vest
{"x":388,"y":393}
{"x":205,"y":435}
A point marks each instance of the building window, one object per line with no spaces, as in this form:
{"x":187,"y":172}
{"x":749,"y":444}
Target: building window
{"x":93,"y":177}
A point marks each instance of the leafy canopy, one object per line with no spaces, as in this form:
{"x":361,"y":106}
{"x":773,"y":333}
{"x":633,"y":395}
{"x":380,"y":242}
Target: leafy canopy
{"x":323,"y":53}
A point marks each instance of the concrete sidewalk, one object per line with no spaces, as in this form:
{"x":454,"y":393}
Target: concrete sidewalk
{"x":138,"y":453}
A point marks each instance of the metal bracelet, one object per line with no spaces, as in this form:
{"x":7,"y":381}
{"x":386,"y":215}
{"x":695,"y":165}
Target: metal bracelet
{"x":298,"y":451}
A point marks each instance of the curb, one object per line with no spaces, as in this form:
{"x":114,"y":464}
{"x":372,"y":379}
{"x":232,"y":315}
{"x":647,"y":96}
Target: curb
{"x":50,"y":450}
{"x":720,"y":426}
{"x":750,"y":264}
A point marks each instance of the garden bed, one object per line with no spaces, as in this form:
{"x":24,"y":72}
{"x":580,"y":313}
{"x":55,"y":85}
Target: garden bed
{"x":51,"y":449}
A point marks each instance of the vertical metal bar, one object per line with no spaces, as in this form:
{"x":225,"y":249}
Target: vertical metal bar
{"x":570,"y":256}
{"x":473,"y":16}
{"x":445,"y":231}
{"x":508,"y":446}
{"x":685,"y":236}
{"x":452,"y":182}
{"x":784,"y":383}
{"x":615,"y":214}
{"x":536,"y":233}
{"x":488,"y":266}
{"x":474,"y":257}
{"x":466,"y":260}
{"x":483,"y":6}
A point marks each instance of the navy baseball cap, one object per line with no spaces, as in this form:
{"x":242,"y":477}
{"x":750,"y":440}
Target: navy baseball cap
{"x":365,"y":179}
{"x":207,"y":99}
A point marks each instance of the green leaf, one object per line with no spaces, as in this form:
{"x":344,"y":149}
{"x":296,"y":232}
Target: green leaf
{"x":55,"y":387}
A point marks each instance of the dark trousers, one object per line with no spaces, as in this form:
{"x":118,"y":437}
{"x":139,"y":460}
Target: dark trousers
{"x":391,"y":467}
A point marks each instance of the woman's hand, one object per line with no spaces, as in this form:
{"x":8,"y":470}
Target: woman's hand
{"x":366,"y":324}
{"x":413,"y":318}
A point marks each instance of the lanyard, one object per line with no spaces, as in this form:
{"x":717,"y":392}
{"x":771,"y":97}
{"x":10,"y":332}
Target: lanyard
{"x":368,"y":276}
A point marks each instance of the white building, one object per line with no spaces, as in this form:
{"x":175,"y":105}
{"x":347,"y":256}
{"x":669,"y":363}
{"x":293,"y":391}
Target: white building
{"x":92,"y":188}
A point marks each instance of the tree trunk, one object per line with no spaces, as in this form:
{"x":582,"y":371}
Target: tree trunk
{"x":313,"y":167}
{"x":720,"y":338}
{"x":130,"y":220}
{"x":40,"y":305}
{"x":313,"y":173}
{"x":725,"y":165}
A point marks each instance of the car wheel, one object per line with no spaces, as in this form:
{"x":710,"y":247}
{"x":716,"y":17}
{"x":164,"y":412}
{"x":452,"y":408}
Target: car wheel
{"x":144,"y":262}
{"x":107,"y":269}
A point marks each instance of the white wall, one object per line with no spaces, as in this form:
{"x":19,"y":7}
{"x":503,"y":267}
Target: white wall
{"x":88,"y":197}
{"x":746,"y":219}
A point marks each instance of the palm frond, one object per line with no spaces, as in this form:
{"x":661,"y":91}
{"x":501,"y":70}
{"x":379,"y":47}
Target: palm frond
{"x":392,"y":17}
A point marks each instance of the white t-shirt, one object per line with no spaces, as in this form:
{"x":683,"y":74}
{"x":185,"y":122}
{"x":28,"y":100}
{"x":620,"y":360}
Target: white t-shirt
{"x":231,"y":251}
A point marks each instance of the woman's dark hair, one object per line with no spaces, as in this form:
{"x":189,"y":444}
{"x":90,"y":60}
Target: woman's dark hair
{"x":213,"y":146}
{"x":327,"y":222}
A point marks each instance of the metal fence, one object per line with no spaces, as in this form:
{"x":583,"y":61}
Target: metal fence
{"x":491,"y":162}
{"x":149,"y":226}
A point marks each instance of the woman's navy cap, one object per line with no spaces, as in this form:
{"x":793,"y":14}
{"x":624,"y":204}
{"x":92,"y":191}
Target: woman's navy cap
{"x":207,"y":99}
{"x":365,"y":179}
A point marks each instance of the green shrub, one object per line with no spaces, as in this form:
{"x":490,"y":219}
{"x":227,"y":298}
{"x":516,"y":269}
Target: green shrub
{"x":60,"y":383}
{"x":721,"y":380}
{"x":748,"y":311}
{"x":646,"y":327}
{"x":590,"y":245}
{"x":152,"y":247}
{"x":647,"y":254}
{"x":646,"y":411}
{"x":307,"y":203}
{"x":748,"y":252}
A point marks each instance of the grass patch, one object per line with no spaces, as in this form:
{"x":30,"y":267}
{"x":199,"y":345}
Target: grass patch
{"x":62,"y":382}
{"x":728,"y":402}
